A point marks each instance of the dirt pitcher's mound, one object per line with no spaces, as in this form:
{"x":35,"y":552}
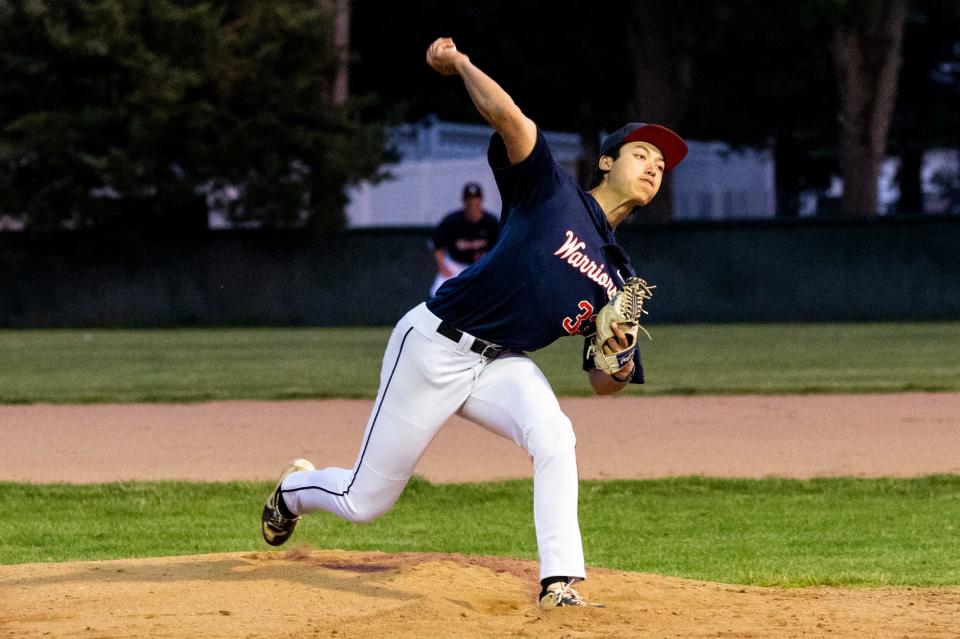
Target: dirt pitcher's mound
{"x":307,"y":593}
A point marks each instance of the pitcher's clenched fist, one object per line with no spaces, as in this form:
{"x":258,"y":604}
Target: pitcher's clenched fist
{"x":443,"y":56}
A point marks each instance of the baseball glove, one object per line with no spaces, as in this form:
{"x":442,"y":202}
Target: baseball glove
{"x":625,"y":308}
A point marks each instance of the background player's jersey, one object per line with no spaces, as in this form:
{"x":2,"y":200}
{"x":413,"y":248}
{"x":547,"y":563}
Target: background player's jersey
{"x":556,"y":262}
{"x":465,"y":241}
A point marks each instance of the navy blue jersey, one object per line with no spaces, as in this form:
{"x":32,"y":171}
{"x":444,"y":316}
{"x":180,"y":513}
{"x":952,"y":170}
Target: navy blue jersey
{"x":555,"y":265}
{"x":465,"y":241}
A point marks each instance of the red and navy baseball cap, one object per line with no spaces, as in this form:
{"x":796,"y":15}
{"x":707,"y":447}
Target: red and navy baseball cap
{"x":672,"y":146}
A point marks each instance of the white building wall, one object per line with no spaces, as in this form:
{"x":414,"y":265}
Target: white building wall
{"x":717,"y":182}
{"x":438,"y":158}
{"x":420,"y":193}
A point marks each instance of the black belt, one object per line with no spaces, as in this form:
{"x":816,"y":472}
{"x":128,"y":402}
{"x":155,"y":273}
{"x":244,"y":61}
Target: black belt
{"x":480,"y":346}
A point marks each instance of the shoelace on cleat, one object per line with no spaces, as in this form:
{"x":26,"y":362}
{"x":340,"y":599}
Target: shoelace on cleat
{"x":276,"y":520}
{"x":567,"y":596}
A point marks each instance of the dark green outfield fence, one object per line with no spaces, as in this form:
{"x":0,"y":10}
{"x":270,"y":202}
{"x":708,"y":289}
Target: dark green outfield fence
{"x":884,"y":269}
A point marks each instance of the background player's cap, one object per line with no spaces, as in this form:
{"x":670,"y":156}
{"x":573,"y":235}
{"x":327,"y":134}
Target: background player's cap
{"x":672,"y":146}
{"x":472,"y":189}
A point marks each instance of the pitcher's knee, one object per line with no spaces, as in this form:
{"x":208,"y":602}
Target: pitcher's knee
{"x":367,"y":512}
{"x":550,"y":438}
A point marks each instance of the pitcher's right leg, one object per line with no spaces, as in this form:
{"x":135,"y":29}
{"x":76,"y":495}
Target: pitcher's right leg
{"x":513,"y":399}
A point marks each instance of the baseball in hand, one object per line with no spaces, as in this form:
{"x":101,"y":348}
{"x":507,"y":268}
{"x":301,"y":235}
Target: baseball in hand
{"x":442,"y":56}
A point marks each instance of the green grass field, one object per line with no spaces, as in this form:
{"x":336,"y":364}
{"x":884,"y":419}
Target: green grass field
{"x":785,"y":532}
{"x":764,"y":532}
{"x":196,"y":365}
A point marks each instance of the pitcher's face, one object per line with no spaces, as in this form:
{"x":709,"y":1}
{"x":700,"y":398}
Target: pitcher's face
{"x":637,"y":173}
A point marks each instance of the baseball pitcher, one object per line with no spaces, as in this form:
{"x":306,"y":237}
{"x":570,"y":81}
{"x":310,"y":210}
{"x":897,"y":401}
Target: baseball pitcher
{"x":556,"y":271}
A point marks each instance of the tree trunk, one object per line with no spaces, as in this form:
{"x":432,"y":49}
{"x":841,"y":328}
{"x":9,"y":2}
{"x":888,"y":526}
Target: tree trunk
{"x":867,"y":55}
{"x":662,"y":71}
{"x":911,"y":190}
{"x":340,"y":83}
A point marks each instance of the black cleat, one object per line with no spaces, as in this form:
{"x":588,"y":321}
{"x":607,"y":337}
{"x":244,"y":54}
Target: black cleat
{"x":275,"y":527}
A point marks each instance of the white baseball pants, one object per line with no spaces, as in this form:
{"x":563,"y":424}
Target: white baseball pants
{"x":424,"y":380}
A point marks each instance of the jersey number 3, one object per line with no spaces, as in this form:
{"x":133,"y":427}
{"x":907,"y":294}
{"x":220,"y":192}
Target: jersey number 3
{"x":572,"y":326}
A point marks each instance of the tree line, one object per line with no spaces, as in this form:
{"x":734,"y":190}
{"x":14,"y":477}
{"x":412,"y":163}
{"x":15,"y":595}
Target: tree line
{"x":130,"y":114}
{"x":135,"y":114}
{"x":830,"y":85}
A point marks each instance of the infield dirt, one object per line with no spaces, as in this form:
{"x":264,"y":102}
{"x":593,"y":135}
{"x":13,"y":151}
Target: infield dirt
{"x":329,"y":593}
{"x":305,"y":593}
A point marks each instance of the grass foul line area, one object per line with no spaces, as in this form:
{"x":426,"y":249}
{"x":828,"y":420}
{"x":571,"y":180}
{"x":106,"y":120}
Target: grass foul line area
{"x":189,"y":365}
{"x":860,"y":532}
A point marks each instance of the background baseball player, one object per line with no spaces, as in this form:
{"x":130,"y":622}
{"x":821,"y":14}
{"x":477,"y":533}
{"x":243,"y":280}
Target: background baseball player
{"x":463,"y":236}
{"x":556,"y":265}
